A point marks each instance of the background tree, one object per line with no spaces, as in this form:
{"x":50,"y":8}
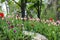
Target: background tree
{"x":58,"y":9}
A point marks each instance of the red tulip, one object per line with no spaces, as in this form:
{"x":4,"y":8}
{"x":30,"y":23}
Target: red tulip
{"x":11,"y":26}
{"x":51,"y":19}
{"x":2,"y":15}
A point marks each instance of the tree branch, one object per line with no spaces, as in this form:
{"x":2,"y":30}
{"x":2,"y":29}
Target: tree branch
{"x":17,"y":3}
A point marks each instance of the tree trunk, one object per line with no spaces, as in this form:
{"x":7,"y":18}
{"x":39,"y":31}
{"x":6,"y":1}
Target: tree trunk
{"x":39,"y":8}
{"x":23,"y":6}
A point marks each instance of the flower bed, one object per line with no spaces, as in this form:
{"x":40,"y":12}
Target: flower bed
{"x":12,"y":28}
{"x":52,"y":32}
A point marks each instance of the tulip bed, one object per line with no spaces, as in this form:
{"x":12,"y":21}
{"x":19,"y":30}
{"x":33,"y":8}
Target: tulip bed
{"x":12,"y":29}
{"x":51,"y":32}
